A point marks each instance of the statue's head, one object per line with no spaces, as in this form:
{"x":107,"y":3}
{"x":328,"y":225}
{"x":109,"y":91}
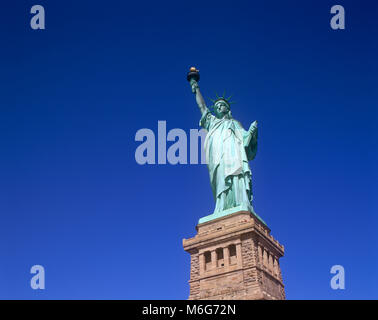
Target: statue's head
{"x":222,"y":107}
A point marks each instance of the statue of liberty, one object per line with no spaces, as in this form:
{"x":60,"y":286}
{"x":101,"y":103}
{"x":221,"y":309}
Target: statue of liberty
{"x":228,"y":148}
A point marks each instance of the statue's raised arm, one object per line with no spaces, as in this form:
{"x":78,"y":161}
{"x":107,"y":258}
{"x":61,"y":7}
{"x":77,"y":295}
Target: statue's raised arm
{"x":193,"y":78}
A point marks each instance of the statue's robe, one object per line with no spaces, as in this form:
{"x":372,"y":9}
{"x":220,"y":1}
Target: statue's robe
{"x":228,"y":149}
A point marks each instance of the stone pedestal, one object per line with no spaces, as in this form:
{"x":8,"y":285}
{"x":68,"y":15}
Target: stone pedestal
{"x":234,"y":257}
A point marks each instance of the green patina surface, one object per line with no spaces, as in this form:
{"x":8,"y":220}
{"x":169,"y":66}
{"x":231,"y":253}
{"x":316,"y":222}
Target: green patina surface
{"x":228,"y":148}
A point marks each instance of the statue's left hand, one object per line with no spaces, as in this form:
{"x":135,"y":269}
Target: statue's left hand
{"x":253,"y":126}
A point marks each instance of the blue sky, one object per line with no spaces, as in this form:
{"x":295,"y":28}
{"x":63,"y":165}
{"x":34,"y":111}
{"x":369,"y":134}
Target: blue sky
{"x":73,"y":198}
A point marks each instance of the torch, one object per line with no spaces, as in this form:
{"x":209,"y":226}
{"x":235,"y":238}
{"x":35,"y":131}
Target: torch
{"x":193,"y":77}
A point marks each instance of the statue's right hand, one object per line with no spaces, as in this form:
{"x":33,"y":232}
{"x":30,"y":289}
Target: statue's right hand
{"x":194,"y":85}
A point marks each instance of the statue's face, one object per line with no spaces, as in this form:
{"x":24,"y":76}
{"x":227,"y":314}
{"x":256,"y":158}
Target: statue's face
{"x":221,"y":107}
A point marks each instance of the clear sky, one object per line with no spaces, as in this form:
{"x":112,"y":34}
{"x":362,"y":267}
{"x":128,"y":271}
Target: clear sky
{"x":72,"y":96}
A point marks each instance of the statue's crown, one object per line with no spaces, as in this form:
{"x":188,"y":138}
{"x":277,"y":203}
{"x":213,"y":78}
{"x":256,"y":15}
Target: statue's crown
{"x":222,"y":98}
